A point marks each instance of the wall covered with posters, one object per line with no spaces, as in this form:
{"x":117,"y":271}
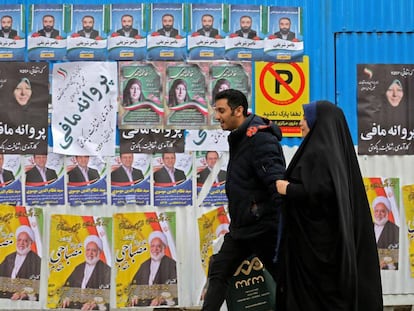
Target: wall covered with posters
{"x":110,"y":86}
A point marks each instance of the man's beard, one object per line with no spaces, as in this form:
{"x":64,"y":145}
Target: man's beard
{"x":167,"y":27}
{"x":127,"y":28}
{"x":246,"y":29}
{"x":207,"y":27}
{"x":284,"y":31}
{"x":157,"y":257}
{"x":5,"y":29}
{"x":93,"y":261}
{"x":87,"y":29}
{"x":48,"y":28}
{"x":380,"y":222}
{"x":23,"y":252}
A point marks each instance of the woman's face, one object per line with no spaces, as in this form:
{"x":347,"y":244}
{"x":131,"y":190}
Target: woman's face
{"x":180,"y":93}
{"x":303,"y":124}
{"x":22,"y":93}
{"x":223,"y":87}
{"x":394,"y":94}
{"x":135,"y":92}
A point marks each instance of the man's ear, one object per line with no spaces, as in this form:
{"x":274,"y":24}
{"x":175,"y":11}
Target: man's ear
{"x":239,"y":111}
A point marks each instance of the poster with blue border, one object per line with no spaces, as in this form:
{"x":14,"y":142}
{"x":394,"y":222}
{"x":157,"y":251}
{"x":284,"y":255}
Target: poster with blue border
{"x":12,"y":36}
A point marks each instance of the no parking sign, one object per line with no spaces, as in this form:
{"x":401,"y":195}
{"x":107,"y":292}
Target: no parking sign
{"x":281,"y":89}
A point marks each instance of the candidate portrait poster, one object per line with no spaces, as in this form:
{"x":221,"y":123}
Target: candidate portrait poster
{"x":12,"y":35}
{"x":21,"y":232}
{"x":140,"y":239}
{"x":44,"y":179}
{"x":25,"y":97}
{"x":385,"y":109}
{"x":75,"y":241}
{"x":10,"y":179}
{"x":84,"y":108}
{"x":408,"y":201}
{"x":383,"y":195}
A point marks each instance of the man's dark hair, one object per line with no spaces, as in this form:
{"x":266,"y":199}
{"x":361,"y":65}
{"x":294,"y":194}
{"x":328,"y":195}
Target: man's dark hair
{"x":48,"y":15}
{"x":235,"y":98}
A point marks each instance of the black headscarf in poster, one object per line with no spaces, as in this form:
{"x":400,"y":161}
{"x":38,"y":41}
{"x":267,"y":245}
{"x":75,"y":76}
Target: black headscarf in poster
{"x":330,"y":259}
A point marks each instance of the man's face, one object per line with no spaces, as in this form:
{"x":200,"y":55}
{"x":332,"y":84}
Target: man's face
{"x":245,"y":24}
{"x":157,"y":249}
{"x":126,"y":23}
{"x":229,"y":119}
{"x":284,"y":26}
{"x":48,"y":23}
{"x":6,"y":24}
{"x":23,"y":242}
{"x":40,"y":160}
{"x":82,"y":161}
{"x":127,"y":159}
{"x":169,"y":160}
{"x":87,"y":24}
{"x":22,"y":93}
{"x":380,"y":212}
{"x":92,"y":253}
{"x":207,"y":22}
{"x":211,"y":159}
{"x":167,"y":22}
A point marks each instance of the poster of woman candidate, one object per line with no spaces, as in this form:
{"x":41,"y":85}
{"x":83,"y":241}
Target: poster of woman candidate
{"x":129,"y":25}
{"x":87,"y":39}
{"x":245,"y":42}
{"x":140,"y":94}
{"x":206,"y":39}
{"x":79,"y":262}
{"x":383,"y":195}
{"x":25,"y":97}
{"x":385,"y":109}
{"x":21,"y":231}
{"x":187,"y":95}
{"x":167,"y":38}
{"x":44,"y":179}
{"x":12,"y":40}
{"x":284,"y":40}
{"x":140,"y":240}
{"x":46,"y":38}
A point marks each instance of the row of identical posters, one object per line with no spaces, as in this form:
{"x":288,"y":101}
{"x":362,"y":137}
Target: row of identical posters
{"x":159,"y":31}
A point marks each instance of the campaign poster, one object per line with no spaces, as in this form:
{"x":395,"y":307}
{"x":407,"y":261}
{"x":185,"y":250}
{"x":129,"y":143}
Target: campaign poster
{"x":77,"y":242}
{"x":10,"y":179}
{"x":385,"y":109}
{"x":46,"y":38}
{"x":140,"y":95}
{"x":206,"y":40}
{"x":211,"y":174}
{"x":86,"y":180}
{"x":127,"y":39}
{"x":84,"y":108}
{"x":408,"y":202}
{"x":140,"y":239}
{"x":201,"y":140}
{"x":44,"y":179}
{"x":383,"y":195}
{"x":167,"y":38}
{"x":284,"y":40}
{"x":130,"y":179}
{"x":145,"y":140}
{"x":211,"y":226}
{"x":234,"y":75}
{"x":172,"y":177}
{"x":86,"y":39}
{"x":245,"y":41}
{"x":12,"y":35}
{"x":25,"y":97}
{"x":186,"y":100}
{"x":21,"y":232}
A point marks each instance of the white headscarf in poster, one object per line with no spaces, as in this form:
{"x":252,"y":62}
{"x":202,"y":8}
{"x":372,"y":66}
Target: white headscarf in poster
{"x":84,"y":100}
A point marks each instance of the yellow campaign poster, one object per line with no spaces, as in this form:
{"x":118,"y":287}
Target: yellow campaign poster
{"x":79,"y":262}
{"x":280,"y":91}
{"x":408,"y":201}
{"x":383,"y":196}
{"x":211,"y":226}
{"x":20,"y":237}
{"x":145,"y":259}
